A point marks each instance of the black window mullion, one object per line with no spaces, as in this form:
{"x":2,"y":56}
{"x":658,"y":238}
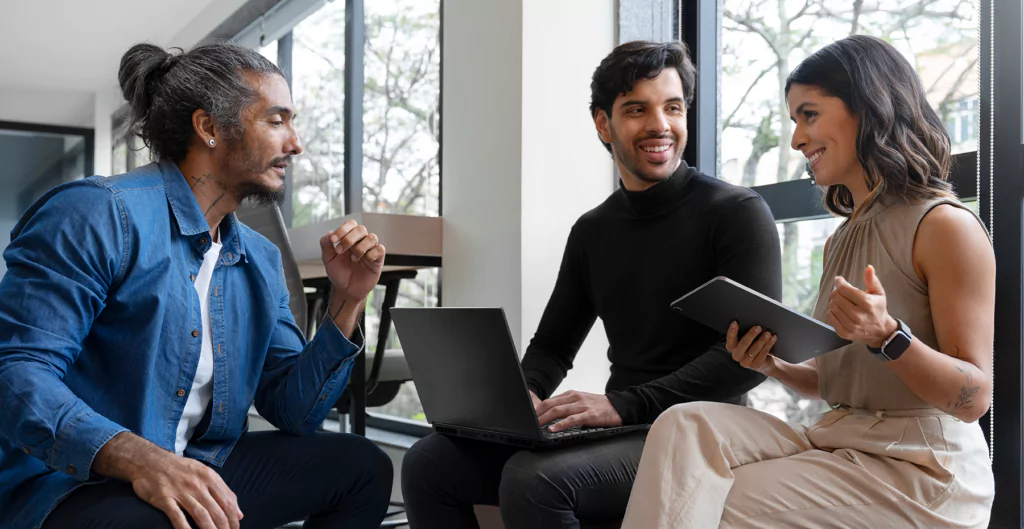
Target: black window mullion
{"x":355,"y":48}
{"x":284,"y":62}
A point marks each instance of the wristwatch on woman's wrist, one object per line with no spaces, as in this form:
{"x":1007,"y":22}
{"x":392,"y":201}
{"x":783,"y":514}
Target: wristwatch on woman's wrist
{"x":895,"y":345}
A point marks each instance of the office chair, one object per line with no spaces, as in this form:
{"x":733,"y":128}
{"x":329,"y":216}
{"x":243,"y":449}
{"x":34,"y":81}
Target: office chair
{"x":267,"y":221}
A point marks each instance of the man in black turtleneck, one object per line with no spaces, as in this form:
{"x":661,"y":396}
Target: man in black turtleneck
{"x":666,"y":231}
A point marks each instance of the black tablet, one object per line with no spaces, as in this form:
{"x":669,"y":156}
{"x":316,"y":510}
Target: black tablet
{"x":721,"y":301}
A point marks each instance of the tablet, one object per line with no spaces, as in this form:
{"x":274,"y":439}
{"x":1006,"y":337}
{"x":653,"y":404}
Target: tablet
{"x":721,"y":301}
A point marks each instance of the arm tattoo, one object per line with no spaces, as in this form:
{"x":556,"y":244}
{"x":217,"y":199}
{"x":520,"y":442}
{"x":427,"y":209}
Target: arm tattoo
{"x":967,"y":391}
{"x":338,"y":312}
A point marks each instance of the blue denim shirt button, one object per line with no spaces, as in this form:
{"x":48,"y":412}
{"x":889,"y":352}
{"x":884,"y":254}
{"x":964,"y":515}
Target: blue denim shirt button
{"x":195,"y":334}
{"x":181,"y":393}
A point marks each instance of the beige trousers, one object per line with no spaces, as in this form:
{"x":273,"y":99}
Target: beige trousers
{"x":708,"y":465}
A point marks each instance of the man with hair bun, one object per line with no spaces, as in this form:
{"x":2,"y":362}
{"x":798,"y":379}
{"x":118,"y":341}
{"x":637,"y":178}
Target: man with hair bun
{"x":139,"y":320}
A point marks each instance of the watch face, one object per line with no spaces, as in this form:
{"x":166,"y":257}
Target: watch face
{"x":899,"y":343}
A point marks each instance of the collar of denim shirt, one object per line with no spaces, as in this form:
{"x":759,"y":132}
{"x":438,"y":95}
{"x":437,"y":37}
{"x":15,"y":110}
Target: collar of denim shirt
{"x":191,"y":221}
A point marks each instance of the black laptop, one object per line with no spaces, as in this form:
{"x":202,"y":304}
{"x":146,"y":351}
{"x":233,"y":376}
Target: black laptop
{"x":467,"y":373}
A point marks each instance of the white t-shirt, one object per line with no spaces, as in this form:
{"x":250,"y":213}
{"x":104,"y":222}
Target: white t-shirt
{"x":202,"y":385}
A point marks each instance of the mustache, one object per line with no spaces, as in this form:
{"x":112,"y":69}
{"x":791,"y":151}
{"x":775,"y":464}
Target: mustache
{"x":658,"y":137}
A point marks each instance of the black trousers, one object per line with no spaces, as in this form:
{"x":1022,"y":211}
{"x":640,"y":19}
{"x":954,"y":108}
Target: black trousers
{"x":443,"y":477}
{"x":331,"y":480}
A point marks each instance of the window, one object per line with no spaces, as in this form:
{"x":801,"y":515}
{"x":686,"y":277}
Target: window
{"x":119,"y":158}
{"x":419,"y":292}
{"x":401,"y":107}
{"x":398,"y":120}
{"x":763,"y":41}
{"x":270,"y":51}
{"x":318,"y":88}
{"x":803,"y":249}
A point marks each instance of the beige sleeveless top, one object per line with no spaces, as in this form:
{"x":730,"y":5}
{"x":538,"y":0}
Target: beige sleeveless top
{"x":883,"y":237}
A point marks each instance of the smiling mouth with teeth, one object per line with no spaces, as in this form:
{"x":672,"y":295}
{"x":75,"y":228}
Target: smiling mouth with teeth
{"x":814,"y":157}
{"x":659,"y":148}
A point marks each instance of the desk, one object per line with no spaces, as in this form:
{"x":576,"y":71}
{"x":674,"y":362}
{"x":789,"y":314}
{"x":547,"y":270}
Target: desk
{"x":411,"y":242}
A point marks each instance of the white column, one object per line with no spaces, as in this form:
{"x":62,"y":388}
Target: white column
{"x":105,"y":102}
{"x":482,"y":155}
{"x":566,"y":170}
{"x":521,"y":158}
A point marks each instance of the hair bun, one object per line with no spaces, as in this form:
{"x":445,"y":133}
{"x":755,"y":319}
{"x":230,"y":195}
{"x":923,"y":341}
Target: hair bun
{"x":137,"y":65}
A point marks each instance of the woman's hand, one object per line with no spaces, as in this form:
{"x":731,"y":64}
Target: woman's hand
{"x":858,"y":315}
{"x":753,"y":350}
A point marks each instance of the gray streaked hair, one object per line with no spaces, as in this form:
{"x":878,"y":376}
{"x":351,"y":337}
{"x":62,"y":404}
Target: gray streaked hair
{"x":164,"y":89}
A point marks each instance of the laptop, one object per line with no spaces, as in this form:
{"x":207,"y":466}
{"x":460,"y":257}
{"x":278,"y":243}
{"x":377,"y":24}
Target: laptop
{"x":467,"y":373}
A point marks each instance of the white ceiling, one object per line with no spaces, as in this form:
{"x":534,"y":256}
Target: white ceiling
{"x":62,"y":44}
{"x":74,"y":47}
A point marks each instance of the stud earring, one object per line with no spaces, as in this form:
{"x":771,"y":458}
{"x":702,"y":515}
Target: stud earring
{"x":807,"y":167}
{"x":212,"y":143}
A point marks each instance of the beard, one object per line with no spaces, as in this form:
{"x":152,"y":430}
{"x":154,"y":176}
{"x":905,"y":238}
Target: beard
{"x":244,"y":160}
{"x":260,"y":195}
{"x":634,"y":166}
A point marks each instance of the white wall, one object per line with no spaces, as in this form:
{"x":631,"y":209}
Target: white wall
{"x":482,"y":155}
{"x":566,"y":170}
{"x":521,"y":158}
{"x":46,"y":106}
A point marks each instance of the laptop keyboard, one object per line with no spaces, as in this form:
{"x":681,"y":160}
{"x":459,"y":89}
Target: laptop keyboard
{"x":575,"y":430}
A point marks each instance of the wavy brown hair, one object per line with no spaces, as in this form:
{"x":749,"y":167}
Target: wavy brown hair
{"x":901,"y":142}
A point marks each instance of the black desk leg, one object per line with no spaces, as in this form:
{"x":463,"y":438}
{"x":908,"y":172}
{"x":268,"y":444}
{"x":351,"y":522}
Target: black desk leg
{"x":357,"y":411}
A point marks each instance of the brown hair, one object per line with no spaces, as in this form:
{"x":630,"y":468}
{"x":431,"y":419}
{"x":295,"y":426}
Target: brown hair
{"x":901,"y":142}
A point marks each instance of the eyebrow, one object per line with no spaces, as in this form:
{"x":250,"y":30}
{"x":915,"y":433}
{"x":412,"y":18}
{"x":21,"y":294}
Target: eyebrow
{"x":799,"y":109}
{"x":280,"y":110}
{"x":644,"y":102}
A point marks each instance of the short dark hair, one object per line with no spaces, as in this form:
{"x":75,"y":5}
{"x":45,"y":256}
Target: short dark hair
{"x":165,"y":89}
{"x":629,"y":62}
{"x":901,"y":142}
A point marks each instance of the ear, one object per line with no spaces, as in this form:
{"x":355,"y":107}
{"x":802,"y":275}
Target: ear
{"x":205,"y":126}
{"x":603,"y":124}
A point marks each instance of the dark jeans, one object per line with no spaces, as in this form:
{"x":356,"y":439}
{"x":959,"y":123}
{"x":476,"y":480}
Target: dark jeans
{"x":331,"y":480}
{"x":443,"y":477}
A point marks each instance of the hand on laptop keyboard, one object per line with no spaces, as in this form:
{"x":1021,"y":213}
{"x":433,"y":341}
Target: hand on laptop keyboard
{"x":578,"y":408}
{"x":574,"y":430}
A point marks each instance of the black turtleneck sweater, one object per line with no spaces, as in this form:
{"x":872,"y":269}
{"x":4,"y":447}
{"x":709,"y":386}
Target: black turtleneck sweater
{"x":626,"y":261}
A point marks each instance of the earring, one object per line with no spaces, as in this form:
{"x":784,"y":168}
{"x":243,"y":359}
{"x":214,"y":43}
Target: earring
{"x":807,"y":167}
{"x":212,"y":143}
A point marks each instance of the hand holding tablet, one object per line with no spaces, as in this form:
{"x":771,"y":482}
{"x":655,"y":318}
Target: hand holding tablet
{"x":722,"y":301}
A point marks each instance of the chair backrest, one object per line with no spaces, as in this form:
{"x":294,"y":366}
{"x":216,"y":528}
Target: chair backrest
{"x":267,"y":221}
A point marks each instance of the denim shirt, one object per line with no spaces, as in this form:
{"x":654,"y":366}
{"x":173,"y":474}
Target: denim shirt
{"x":100,"y":332}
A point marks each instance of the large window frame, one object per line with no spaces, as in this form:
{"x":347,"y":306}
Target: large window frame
{"x":276,"y":23}
{"x":1001,"y":152}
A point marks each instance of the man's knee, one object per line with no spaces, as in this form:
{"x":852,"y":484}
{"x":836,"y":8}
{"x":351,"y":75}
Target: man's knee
{"x":376,"y":465}
{"x":534,"y":478}
{"x":425,"y":463}
{"x":371,"y":470}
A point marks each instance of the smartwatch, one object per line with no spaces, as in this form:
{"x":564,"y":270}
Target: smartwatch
{"x":894,"y":346}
